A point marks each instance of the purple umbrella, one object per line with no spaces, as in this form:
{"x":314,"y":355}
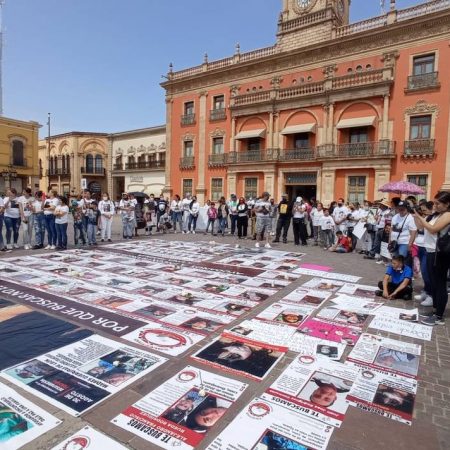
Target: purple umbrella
{"x":402,"y":187}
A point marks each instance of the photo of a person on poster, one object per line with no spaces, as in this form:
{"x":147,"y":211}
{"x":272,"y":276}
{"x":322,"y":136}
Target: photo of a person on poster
{"x":256,"y":361}
{"x":179,"y":412}
{"x":397,"y":360}
{"x":207,"y":414}
{"x":352,"y":318}
{"x":394,"y":398}
{"x":275,"y":441}
{"x":11,"y":423}
{"x":201,"y":324}
{"x":327,"y":350}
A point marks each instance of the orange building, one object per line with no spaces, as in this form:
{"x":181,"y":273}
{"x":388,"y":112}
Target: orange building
{"x":331,"y":110}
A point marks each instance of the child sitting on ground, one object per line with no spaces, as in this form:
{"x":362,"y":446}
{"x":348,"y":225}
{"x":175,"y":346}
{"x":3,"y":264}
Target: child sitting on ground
{"x":164,"y":222}
{"x":397,"y":282}
{"x":343,"y":243}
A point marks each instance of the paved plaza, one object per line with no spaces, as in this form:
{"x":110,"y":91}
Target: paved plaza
{"x":359,"y":431}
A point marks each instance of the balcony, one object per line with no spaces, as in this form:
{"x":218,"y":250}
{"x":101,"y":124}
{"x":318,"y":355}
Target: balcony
{"x":58,"y":172}
{"x":419,"y":148}
{"x":217,"y":114}
{"x":143,"y":165}
{"x":118,"y":166}
{"x":251,"y":156}
{"x":99,"y":171}
{"x":187,"y":162}
{"x":217,"y":160}
{"x":188,"y":119}
{"x":424,"y":81}
{"x":358,"y":150}
{"x":297,"y":154}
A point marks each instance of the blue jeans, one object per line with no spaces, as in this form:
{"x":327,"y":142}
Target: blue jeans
{"x":424,"y":270}
{"x":2,"y":244}
{"x":233,"y":219}
{"x":192,"y":222}
{"x":128,"y":227}
{"x":61,"y":232}
{"x":78,"y":232}
{"x":12,"y":227}
{"x":39,"y":228}
{"x":402,"y":250}
{"x":223,"y":222}
{"x":91,"y":229}
{"x":51,"y":229}
{"x":177,"y":217}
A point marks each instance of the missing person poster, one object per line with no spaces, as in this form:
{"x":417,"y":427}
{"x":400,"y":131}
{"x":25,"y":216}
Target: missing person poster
{"x":269,"y":422}
{"x":241,"y":356}
{"x":304,"y":296}
{"x":319,"y":348}
{"x":356,"y":304}
{"x":408,"y":315}
{"x":384,"y":354}
{"x":343,"y":316}
{"x":285,"y":313}
{"x":330,"y":331}
{"x":386,"y":395}
{"x":401,"y":327}
{"x":79,"y":376}
{"x":181,"y":411}
{"x":20,"y":420}
{"x":358,"y":290}
{"x":317,"y":386}
{"x":89,"y":439}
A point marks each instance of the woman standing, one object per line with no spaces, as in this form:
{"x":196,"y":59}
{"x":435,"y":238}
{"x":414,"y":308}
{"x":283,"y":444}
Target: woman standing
{"x":242,"y":220}
{"x":12,"y":218}
{"x":25,"y":206}
{"x":222,"y":215}
{"x":49,"y":206}
{"x":61,"y":222}
{"x":437,"y":236}
{"x":177,"y":213}
{"x":106,"y":208}
{"x":194,"y":209}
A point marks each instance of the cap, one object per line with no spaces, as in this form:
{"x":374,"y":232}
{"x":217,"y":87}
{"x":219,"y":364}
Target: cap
{"x":402,"y":205}
{"x":298,"y":199}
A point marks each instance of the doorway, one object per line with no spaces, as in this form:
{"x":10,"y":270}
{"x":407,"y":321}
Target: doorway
{"x":307,"y":192}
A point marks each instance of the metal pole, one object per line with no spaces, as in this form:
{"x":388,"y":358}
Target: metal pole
{"x":48,"y":151}
{"x":1,"y":56}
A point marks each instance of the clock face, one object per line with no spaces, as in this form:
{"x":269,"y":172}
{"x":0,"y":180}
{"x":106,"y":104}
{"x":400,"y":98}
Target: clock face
{"x":303,"y":3}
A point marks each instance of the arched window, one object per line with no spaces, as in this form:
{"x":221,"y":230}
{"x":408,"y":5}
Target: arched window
{"x":63,"y":162}
{"x":18,"y":150}
{"x":51,"y":166}
{"x":68,"y":163}
{"x":98,"y":164}
{"x":89,"y":164}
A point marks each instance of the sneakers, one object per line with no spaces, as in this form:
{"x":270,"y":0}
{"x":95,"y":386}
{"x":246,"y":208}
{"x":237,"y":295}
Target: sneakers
{"x":267,"y":245}
{"x":428,"y":314}
{"x":433,"y":320}
{"x":16,"y":246}
{"x":49,"y":247}
{"x":380,"y":261}
{"x":369,"y":257}
{"x":427,"y":302}
{"x":421,"y":297}
{"x":257,"y":245}
{"x":193,"y":232}
{"x":53,"y":247}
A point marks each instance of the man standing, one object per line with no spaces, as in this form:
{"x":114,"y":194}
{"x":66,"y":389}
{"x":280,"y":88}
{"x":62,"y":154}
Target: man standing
{"x":403,"y":230}
{"x":383,"y":214}
{"x":340,"y":214}
{"x":263,"y":220}
{"x":284,"y":218}
{"x":161,"y":208}
{"x":233,"y":211}
{"x":299,"y":216}
{"x":84,"y":205}
{"x":185,"y":203}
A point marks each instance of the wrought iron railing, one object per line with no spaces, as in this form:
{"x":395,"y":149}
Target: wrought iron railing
{"x":188,"y":119}
{"x":423,"y":81}
{"x":419,"y":147}
{"x":187,"y":162}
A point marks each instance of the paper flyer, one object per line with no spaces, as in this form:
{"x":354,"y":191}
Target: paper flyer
{"x":318,"y":386}
{"x":330,"y":331}
{"x":319,"y":348}
{"x":322,"y":284}
{"x":306,"y":296}
{"x":356,"y":304}
{"x":166,"y":339}
{"x":344,"y":316}
{"x":325,"y":274}
{"x":89,"y":439}
{"x":79,"y":376}
{"x":358,"y":290}
{"x":401,"y":327}
{"x":241,"y":356}
{"x":20,"y":420}
{"x":285,"y":313}
{"x":386,"y":355}
{"x":408,"y":315}
{"x":273,"y":423}
{"x":181,"y":411}
{"x":386,"y":395}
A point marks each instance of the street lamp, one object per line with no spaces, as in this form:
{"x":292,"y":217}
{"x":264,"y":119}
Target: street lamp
{"x":8,"y":175}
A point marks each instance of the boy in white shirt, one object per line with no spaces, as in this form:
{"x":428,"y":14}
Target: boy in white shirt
{"x":327,"y":227}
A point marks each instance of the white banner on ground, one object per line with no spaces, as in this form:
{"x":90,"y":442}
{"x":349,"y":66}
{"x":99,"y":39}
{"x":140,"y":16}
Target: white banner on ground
{"x":358,"y":290}
{"x":181,"y":411}
{"x":386,"y":395}
{"x":241,"y":356}
{"x":318,"y":386}
{"x":402,"y":327}
{"x":89,"y":439}
{"x":356,"y":304}
{"x":269,"y":422}
{"x":386,"y":355}
{"x":408,"y":315}
{"x":79,"y":376}
{"x":20,"y":420}
{"x":328,"y":275}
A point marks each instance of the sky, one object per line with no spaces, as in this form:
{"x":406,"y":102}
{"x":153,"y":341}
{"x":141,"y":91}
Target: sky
{"x":96,"y":65}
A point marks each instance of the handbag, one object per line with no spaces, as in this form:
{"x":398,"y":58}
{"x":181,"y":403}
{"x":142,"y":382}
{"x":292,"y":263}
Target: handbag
{"x":393,"y":245}
{"x":443,"y":241}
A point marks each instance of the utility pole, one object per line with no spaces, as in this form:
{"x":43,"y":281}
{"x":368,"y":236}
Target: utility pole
{"x":2,"y":2}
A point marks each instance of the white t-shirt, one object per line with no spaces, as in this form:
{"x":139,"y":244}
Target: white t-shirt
{"x":339,"y":214}
{"x":84,"y":203}
{"x":185,"y":204}
{"x":51,"y":202}
{"x":124,"y":205}
{"x":299,"y":211}
{"x":430,"y":239}
{"x":37,"y":206}
{"x":382,"y":217}
{"x":26,"y":205}
{"x":195,"y":208}
{"x":316,"y":215}
{"x":106,"y":207}
{"x":12,"y":207}
{"x":262,"y":208}
{"x":175,"y":206}
{"x":326,"y":223}
{"x":397,"y":223}
{"x":2,"y":203}
{"x":62,"y":219}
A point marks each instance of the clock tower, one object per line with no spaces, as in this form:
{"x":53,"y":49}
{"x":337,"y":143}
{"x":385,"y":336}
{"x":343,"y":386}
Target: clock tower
{"x":306,"y":22}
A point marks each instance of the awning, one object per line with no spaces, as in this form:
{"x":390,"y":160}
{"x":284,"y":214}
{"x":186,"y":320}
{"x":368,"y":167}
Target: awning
{"x":358,"y":122}
{"x":251,"y":134}
{"x":305,"y":128}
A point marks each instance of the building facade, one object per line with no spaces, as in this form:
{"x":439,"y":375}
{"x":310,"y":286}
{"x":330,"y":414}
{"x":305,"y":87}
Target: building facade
{"x":74,"y":161}
{"x":138,"y":161}
{"x":18,"y":154}
{"x":331,"y":110}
